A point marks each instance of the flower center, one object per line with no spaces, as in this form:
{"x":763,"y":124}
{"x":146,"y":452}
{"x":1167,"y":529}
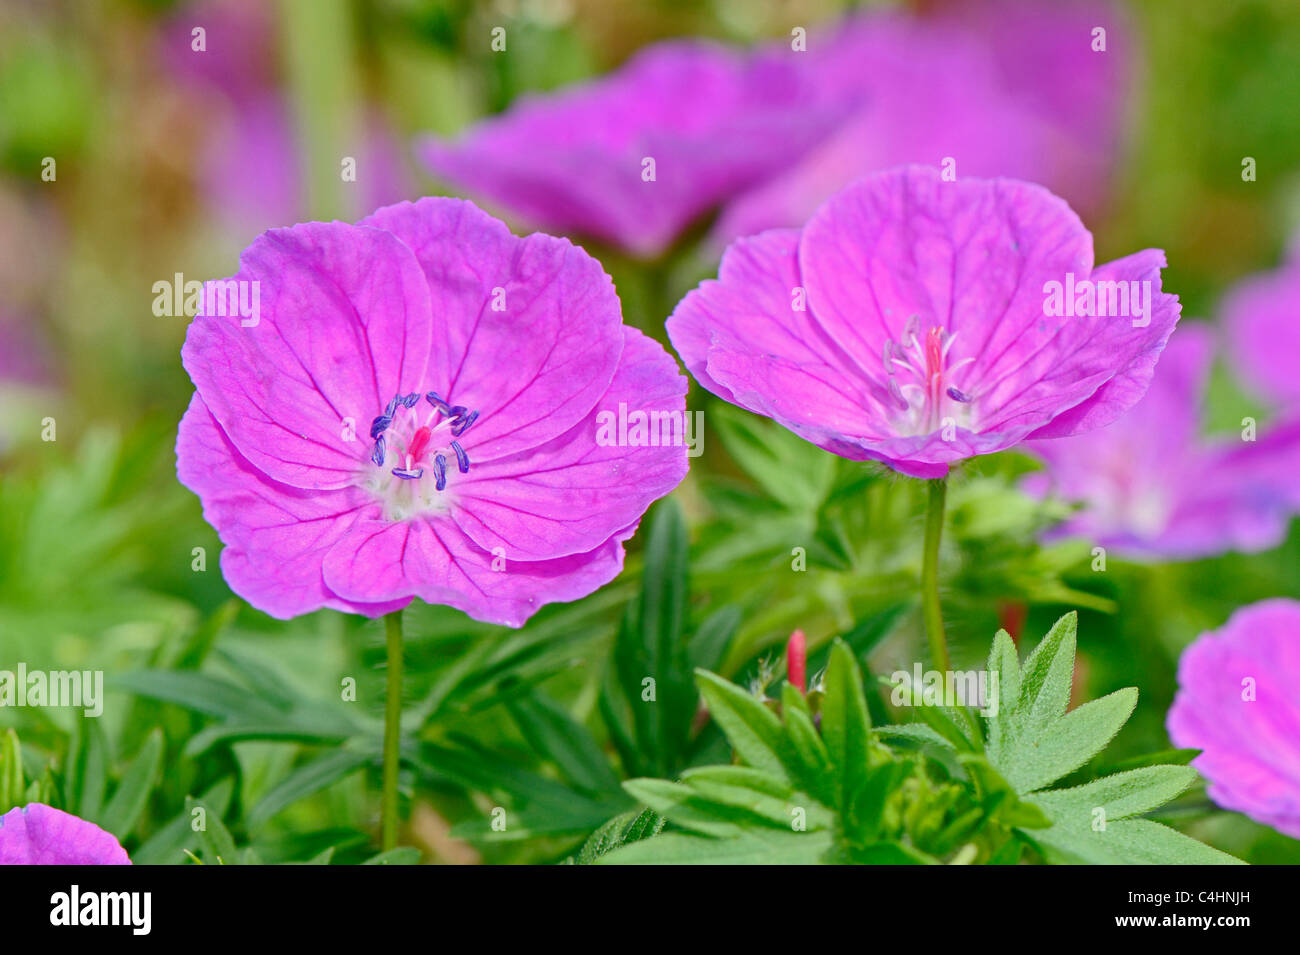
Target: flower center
{"x":420,"y":449}
{"x":918,"y":380}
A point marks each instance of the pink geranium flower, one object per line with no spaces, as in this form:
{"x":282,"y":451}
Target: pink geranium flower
{"x":1153,"y":488}
{"x":40,"y":835}
{"x":1237,"y":702}
{"x":416,"y":413}
{"x":909,"y":322}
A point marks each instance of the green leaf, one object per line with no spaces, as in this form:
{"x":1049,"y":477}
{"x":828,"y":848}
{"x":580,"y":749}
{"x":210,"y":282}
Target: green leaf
{"x":552,"y":733}
{"x":177,"y":836}
{"x":623,"y":829}
{"x":88,"y":770}
{"x":199,"y":692}
{"x":218,"y":845}
{"x":753,"y":847}
{"x":305,"y":781}
{"x":752,"y":729}
{"x":1061,"y":746}
{"x":1121,"y":795}
{"x":846,"y":727}
{"x":11,"y":772}
{"x":403,"y":855}
{"x":1128,"y":842}
{"x":128,"y":802}
{"x":1046,"y":680}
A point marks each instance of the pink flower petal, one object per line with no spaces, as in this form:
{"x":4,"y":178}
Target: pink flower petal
{"x":344,"y":324}
{"x":41,"y":835}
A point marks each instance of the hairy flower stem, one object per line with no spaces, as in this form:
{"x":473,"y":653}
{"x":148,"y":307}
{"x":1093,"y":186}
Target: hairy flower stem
{"x":931,"y":613}
{"x":392,"y":728}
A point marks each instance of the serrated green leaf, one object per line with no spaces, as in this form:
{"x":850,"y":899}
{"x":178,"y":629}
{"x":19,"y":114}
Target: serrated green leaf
{"x":1005,"y":663}
{"x":1045,"y":681}
{"x":1128,"y":842}
{"x":752,"y":729}
{"x":1121,"y":795}
{"x":1044,"y":753}
{"x":815,"y":774}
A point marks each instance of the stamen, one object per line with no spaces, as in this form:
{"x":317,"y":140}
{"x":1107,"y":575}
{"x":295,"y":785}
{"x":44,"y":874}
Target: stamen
{"x":956,"y":395}
{"x":897,"y":394}
{"x":391,"y":409}
{"x":409,"y":474}
{"x":381,"y":424}
{"x":378,"y":454}
{"x":462,"y":425}
{"x":462,"y":459}
{"x":437,"y":402}
{"x":408,"y":401}
{"x":440,"y":472}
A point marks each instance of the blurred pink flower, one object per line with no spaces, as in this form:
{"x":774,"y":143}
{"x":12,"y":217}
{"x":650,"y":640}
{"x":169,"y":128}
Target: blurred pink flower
{"x":1237,"y":702}
{"x":1262,"y":316}
{"x":1153,"y":488}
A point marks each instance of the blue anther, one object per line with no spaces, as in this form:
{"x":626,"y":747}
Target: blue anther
{"x":956,"y":395}
{"x":460,"y":426}
{"x":408,"y":474}
{"x":440,"y":472}
{"x":462,"y":459}
{"x":377,"y":455}
{"x":391,"y":409}
{"x":437,"y":402}
{"x":457,"y":411}
{"x":408,"y":400}
{"x":380,"y":425}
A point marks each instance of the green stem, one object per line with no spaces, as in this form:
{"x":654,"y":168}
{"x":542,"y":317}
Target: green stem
{"x":931,"y":612}
{"x":392,"y":728}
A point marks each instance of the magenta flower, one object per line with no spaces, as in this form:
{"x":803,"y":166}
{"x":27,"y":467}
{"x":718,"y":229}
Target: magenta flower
{"x":908,"y":323}
{"x":1154,"y":489}
{"x":1001,"y":87}
{"x":1261,"y":316}
{"x":711,"y":120}
{"x":40,"y":835}
{"x":416,"y":412}
{"x":1236,"y":701}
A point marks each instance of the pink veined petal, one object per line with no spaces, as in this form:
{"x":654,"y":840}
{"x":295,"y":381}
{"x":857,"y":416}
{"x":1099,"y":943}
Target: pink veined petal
{"x":37,"y":834}
{"x":343,"y":325}
{"x":1108,"y":360}
{"x":528,"y":331}
{"x":748,"y":337}
{"x":431,"y":558}
{"x":571,"y":494}
{"x":276,"y":536}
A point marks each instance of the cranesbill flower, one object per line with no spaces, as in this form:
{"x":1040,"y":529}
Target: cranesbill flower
{"x":910,"y":322}
{"x":1262,"y":318}
{"x":415,"y":412}
{"x":1236,"y":701}
{"x":40,"y":835}
{"x":1154,"y":489}
{"x":634,"y":157}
